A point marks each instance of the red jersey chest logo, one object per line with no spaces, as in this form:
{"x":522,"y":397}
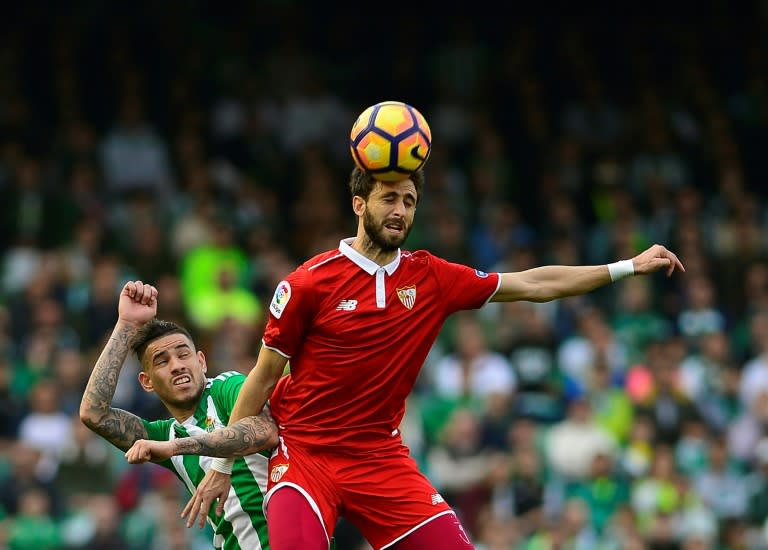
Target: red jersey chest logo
{"x":407,"y":295}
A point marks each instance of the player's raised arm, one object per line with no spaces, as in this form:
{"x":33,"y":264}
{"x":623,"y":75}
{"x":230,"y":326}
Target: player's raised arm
{"x":542,"y":284}
{"x":137,"y":305}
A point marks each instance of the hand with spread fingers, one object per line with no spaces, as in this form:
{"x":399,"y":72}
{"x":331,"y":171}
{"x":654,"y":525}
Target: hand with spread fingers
{"x":213,"y":488}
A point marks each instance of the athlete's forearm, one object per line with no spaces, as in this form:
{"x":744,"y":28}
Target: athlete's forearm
{"x":546,"y":283}
{"x":244,"y":437}
{"x":119,"y":427}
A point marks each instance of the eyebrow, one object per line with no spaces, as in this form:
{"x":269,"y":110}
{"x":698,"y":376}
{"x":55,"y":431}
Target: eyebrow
{"x":161,"y":353}
{"x":406,"y":194}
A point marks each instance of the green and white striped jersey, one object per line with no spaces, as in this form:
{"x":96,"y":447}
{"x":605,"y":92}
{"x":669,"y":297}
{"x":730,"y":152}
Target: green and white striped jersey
{"x":243,"y":525}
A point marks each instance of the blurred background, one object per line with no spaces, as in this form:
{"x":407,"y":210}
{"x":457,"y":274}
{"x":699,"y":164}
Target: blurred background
{"x":205,"y":149}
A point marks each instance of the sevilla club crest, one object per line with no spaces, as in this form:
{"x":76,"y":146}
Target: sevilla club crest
{"x":277,"y":472}
{"x":407,"y":296}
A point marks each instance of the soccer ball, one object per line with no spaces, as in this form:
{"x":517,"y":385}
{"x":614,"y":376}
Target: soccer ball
{"x":390,"y":140}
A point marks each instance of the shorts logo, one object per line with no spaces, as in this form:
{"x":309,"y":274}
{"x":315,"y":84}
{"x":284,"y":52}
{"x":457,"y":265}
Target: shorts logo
{"x":277,"y":472}
{"x":481,"y":274}
{"x":280,"y":299}
{"x":407,"y":296}
{"x":437,"y":499}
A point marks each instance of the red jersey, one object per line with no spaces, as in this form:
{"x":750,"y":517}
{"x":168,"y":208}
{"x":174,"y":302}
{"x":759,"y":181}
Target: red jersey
{"x":357,"y":335}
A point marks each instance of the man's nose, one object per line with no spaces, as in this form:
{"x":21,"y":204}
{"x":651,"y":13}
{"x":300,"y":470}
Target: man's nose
{"x":399,"y":208}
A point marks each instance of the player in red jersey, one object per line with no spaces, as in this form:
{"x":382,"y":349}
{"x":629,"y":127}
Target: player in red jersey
{"x":357,"y":324}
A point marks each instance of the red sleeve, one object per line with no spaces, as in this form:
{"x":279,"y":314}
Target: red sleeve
{"x":464,"y":287}
{"x":290,"y":312}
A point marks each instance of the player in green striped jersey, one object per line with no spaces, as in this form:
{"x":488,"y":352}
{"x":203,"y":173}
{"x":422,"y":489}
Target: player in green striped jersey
{"x":176,"y":371}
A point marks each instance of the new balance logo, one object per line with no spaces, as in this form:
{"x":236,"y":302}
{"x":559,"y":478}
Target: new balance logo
{"x":347,"y":305}
{"x":437,"y":499}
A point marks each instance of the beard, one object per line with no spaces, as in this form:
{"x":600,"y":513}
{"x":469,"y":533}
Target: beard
{"x":189,"y":401}
{"x":385,"y":242}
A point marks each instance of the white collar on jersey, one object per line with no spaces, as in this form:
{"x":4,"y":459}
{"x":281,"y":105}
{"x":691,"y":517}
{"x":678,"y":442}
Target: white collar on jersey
{"x":371,"y":267}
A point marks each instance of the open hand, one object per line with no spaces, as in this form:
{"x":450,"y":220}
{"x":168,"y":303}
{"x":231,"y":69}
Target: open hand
{"x":213,"y":487}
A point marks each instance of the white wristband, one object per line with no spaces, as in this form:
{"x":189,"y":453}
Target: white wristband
{"x":619,"y":270}
{"x":222,"y":465}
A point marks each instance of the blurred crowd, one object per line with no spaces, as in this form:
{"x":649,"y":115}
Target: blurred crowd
{"x":207,"y":153}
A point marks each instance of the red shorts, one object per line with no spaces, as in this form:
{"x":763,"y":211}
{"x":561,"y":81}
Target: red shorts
{"x":385,"y":496}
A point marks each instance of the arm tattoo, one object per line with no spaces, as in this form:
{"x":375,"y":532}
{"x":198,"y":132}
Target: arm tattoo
{"x":246,"y":436}
{"x":117,"y":426}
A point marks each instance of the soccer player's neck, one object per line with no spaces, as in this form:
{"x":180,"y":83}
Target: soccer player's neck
{"x":374,"y":252}
{"x":181,"y":412}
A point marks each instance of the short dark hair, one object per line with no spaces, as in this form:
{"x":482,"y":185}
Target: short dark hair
{"x":151,"y":331}
{"x":361,"y":183}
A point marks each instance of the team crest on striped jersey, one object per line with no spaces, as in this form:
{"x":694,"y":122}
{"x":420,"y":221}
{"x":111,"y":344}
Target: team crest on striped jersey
{"x":407,"y":296}
{"x":278,"y":470}
{"x":210,"y":425}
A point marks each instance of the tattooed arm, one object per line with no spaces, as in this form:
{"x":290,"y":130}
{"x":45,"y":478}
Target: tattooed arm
{"x":247,"y":436}
{"x":137,"y":305}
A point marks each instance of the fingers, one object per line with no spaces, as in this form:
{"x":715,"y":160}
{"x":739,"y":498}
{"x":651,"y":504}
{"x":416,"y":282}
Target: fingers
{"x":141,"y":292}
{"x":203,"y":514}
{"x":196,"y":510}
{"x":136,"y":457}
{"x":138,"y":453}
{"x":672,"y":262}
{"x":659,"y":257}
{"x":676,"y":264}
{"x":188,"y":508}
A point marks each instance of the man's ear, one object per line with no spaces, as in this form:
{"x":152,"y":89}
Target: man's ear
{"x":358,"y":205}
{"x":201,"y":359}
{"x":145,"y":382}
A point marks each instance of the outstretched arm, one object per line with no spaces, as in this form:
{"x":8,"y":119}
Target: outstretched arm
{"x":249,"y":435}
{"x":542,"y":284}
{"x":246,"y":436}
{"x":138,"y":304}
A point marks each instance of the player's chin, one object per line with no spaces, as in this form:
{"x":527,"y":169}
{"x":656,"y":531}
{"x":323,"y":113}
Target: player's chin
{"x":394,"y":237}
{"x":185,"y":393}
{"x":394,"y":243}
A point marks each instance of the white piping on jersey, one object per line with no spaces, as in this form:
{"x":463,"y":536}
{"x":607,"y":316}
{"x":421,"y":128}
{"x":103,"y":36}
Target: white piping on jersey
{"x":381,"y":289}
{"x":222,"y":376}
{"x":275,"y":350}
{"x":325,"y":261}
{"x":498,"y":286}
